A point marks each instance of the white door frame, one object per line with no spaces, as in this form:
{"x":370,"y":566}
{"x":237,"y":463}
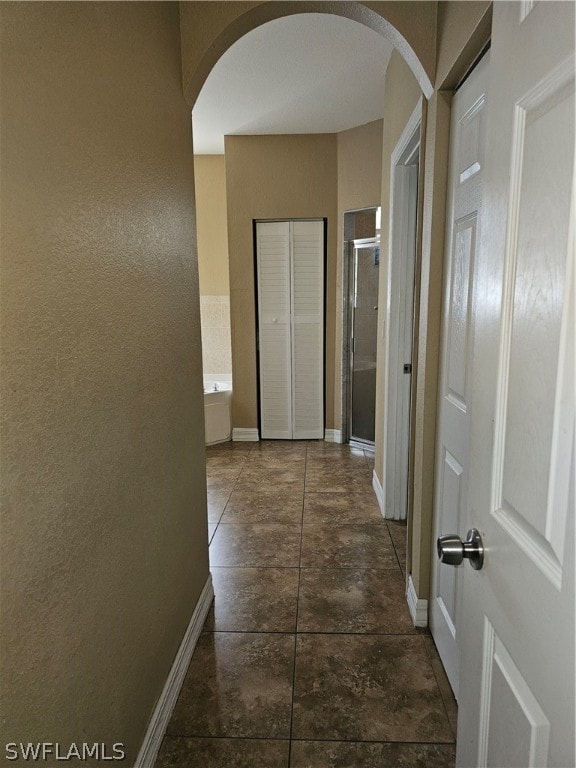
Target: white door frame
{"x":399,"y":314}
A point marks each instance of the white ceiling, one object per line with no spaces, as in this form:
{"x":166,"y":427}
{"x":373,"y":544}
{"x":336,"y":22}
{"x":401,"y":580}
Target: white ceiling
{"x":308,"y":73}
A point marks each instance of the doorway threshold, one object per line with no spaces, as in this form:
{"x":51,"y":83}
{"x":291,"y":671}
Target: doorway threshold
{"x":365,"y":445}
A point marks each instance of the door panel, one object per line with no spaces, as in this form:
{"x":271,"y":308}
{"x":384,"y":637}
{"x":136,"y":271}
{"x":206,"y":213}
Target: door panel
{"x":290,"y":265}
{"x":517,"y":703}
{"x":464,"y":208}
{"x":308,"y":329}
{"x":274,"y":312}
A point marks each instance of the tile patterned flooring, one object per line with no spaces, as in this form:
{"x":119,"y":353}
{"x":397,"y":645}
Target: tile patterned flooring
{"x":308,"y":658}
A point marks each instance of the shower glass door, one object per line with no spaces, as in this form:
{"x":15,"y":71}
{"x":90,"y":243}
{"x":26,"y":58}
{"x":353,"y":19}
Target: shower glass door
{"x":364,"y":331}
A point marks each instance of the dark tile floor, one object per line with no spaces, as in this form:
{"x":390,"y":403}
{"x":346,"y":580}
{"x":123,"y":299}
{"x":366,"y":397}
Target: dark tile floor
{"x":308,"y":657}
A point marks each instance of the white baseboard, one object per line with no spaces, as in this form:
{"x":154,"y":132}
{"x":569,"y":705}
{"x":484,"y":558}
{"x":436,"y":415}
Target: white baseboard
{"x":163,"y":710}
{"x":379,"y":491}
{"x":242,"y":435}
{"x":333,"y":435}
{"x":417,"y":605}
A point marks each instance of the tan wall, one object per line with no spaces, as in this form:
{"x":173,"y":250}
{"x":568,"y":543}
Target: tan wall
{"x":104,"y":542}
{"x":463,"y":30}
{"x":359,"y":186}
{"x":211,"y":224}
{"x":274,"y":177}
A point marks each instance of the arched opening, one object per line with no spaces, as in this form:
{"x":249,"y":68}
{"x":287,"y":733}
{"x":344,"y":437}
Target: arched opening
{"x":243,"y":302}
{"x":407,"y":28}
{"x":261,"y":532}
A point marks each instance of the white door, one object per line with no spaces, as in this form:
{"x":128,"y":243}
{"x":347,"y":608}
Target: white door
{"x":517,"y":672}
{"x":274,"y":324}
{"x":290,"y":270}
{"x":308,"y":329}
{"x":403,"y":224}
{"x":468,"y":122}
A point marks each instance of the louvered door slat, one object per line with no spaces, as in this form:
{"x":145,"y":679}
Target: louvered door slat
{"x":308,"y":329}
{"x":273,"y":265}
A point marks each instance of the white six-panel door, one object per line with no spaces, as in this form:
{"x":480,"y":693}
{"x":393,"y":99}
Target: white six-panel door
{"x":290,"y":270}
{"x":517,"y":683}
{"x":463,"y":215}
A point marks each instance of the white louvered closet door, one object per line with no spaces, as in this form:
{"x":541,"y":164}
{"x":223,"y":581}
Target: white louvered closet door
{"x":290,"y":267}
{"x":308,"y":329}
{"x":274,"y":317}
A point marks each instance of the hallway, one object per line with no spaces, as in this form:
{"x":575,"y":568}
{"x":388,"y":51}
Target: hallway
{"x":308,"y":657}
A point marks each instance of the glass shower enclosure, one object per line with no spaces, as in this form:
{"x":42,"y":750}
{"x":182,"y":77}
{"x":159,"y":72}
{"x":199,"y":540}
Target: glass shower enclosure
{"x":364,"y":261}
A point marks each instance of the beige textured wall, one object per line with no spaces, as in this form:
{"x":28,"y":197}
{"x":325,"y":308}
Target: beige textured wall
{"x":211,"y":224}
{"x":274,"y":177}
{"x":104,"y":542}
{"x":463,"y":30}
{"x":359,"y":186}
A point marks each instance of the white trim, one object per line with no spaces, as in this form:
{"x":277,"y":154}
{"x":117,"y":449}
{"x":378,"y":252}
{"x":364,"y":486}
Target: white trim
{"x":417,"y":606}
{"x":379,"y":491}
{"x":410,"y":129}
{"x":242,"y":435}
{"x":165,"y":704}
{"x":333,"y":435}
{"x":397,"y":327}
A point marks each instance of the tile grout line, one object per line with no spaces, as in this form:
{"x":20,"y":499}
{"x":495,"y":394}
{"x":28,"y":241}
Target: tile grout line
{"x":297,"y":610}
{"x":244,"y":461}
{"x":442,"y":698}
{"x":394,"y":548}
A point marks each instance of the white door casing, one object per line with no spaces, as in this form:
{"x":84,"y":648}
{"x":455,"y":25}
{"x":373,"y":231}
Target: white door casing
{"x":290,"y":272}
{"x":400,"y":313}
{"x":467,"y":149}
{"x":516,"y":704}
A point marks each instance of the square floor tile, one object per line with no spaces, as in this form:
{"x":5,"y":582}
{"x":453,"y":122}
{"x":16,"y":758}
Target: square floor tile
{"x":253,"y":506}
{"x":216,"y":500}
{"x":221,"y":483}
{"x":285,"y":447}
{"x":223,"y":469}
{"x":317,"y":449}
{"x":269,"y":477}
{"x":336,"y":508}
{"x":398,"y":532}
{"x":238,"y":684}
{"x":254,"y":545}
{"x":222,"y":753}
{"x":254,"y":600}
{"x":211,"y":531}
{"x":229,"y":449}
{"x":335,"y":479}
{"x":264,"y":483}
{"x":340,"y":754}
{"x":352,"y":600}
{"x":294,"y":460}
{"x":363,"y":545}
{"x":443,"y":683}
{"x":366,"y":688}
